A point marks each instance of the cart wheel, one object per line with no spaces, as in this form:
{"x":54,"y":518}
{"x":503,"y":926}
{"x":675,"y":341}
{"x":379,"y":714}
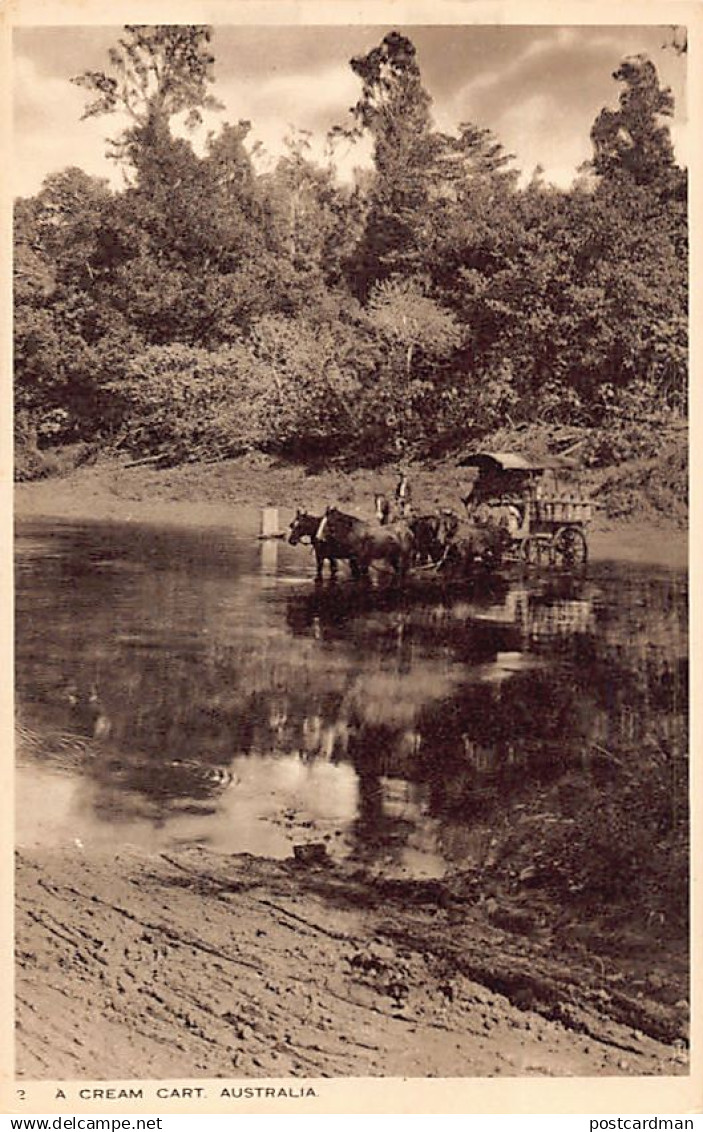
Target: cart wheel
{"x":570,"y":546}
{"x":535,"y":550}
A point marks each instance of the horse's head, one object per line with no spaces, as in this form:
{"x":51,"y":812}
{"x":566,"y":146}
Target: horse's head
{"x":302,"y":526}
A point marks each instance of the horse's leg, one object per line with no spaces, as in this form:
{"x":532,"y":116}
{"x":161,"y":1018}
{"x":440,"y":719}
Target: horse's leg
{"x":333,"y":566}
{"x":320,"y":559}
{"x":450,"y":555}
{"x":404,"y":560}
{"x":398,"y":562}
{"x":359,"y":567}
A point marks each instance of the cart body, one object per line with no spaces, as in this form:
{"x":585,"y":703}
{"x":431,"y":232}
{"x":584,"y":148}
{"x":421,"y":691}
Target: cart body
{"x":544,"y":511}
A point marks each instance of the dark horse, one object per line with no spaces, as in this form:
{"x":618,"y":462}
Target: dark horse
{"x":432,"y":533}
{"x":306,"y":526}
{"x":468,"y":545}
{"x":365,"y":543}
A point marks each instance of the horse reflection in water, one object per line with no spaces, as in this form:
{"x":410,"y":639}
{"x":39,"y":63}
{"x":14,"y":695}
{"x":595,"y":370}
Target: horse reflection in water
{"x":208,"y":671}
{"x":334,"y":614}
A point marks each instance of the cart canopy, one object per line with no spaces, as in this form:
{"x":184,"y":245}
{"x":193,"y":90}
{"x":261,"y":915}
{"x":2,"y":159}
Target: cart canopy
{"x":512,"y":462}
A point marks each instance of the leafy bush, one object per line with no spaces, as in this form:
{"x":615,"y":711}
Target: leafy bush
{"x":184,"y":403}
{"x":629,"y":423}
{"x":305,"y":383}
{"x":34,"y":463}
{"x":291,"y":385}
{"x":629,"y":850}
{"x":34,"y":458}
{"x":657,"y":487}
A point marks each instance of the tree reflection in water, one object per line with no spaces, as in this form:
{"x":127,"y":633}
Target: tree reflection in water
{"x":453,"y":705}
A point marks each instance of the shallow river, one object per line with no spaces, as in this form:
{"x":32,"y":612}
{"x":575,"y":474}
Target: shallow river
{"x":195,"y":687}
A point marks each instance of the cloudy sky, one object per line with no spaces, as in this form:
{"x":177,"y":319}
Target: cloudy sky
{"x":538,"y":88}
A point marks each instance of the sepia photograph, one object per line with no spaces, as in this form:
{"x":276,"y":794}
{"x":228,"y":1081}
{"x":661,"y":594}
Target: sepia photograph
{"x":351,"y":468}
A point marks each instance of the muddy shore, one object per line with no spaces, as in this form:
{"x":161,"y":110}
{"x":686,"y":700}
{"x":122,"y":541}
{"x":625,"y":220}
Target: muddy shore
{"x":191,"y":964}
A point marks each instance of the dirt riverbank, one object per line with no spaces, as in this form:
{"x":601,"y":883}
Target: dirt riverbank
{"x":232,"y":492}
{"x":190,"y":964}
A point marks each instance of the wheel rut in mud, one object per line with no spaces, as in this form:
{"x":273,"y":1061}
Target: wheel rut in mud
{"x":199,"y":965}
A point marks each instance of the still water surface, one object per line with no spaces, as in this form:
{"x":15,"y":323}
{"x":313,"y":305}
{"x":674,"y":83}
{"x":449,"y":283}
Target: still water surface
{"x":180,"y":687}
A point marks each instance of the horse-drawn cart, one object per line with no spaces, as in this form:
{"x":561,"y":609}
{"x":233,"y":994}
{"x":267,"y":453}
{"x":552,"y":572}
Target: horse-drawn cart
{"x":544,"y":512}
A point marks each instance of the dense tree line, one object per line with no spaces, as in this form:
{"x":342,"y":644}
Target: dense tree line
{"x":208,"y":308}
